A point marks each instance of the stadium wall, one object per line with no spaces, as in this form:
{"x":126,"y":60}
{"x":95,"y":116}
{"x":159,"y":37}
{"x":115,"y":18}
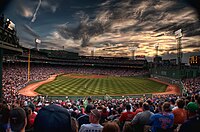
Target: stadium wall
{"x":175,"y":73}
{"x":174,"y":76}
{"x":105,"y":97}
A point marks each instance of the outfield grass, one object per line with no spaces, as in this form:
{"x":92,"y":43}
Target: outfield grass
{"x":69,"y":86}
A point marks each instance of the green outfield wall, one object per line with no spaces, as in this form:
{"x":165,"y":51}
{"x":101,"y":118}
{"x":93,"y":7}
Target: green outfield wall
{"x":176,"y":73}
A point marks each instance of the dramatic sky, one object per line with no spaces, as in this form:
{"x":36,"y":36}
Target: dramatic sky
{"x":109,"y":27}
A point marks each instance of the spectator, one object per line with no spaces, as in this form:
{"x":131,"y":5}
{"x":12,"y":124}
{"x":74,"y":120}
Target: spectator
{"x":84,"y":119}
{"x":18,"y":120}
{"x":139,"y":107}
{"x":33,"y":114}
{"x":151,"y":105}
{"x":94,"y":125}
{"x":158,"y":108}
{"x":88,"y":101}
{"x":180,"y":114}
{"x":5,"y":111}
{"x":172,"y":102}
{"x":163,"y":121}
{"x":111,"y":127}
{"x":126,"y":116}
{"x":113,"y":115}
{"x":52,"y":118}
{"x":193,"y":122}
{"x":30,"y":121}
{"x":104,"y":115}
{"x":74,"y":124}
{"x":198,"y":102}
{"x":142,"y":118}
{"x":127,"y":127}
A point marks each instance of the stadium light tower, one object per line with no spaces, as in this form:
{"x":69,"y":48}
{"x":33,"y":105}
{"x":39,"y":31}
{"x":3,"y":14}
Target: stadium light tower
{"x":156,"y":57}
{"x":37,"y":41}
{"x":92,"y":51}
{"x":156,"y":48}
{"x":133,"y":49}
{"x":178,"y":36}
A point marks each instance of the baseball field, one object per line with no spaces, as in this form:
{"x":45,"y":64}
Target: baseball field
{"x":97,"y":85}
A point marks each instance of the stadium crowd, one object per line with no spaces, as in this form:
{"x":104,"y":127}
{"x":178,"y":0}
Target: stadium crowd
{"x":192,"y":85}
{"x":160,"y":113}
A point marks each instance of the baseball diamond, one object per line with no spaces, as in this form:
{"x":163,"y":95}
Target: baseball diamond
{"x":96,"y":85}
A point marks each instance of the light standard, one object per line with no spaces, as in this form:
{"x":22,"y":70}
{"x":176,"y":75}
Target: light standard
{"x":37,"y":41}
{"x":156,"y":58}
{"x":91,"y":50}
{"x":178,"y":36}
{"x":133,"y":49}
{"x":156,"y":47}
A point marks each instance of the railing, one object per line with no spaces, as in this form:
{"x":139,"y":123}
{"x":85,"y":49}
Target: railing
{"x":101,"y":97}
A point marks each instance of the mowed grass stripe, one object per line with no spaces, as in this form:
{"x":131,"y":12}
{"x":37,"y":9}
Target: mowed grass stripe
{"x":122,"y":86}
{"x":66,"y":85}
{"x":143,"y":85}
{"x":117,"y":85}
{"x":93,"y":87}
{"x":125,"y":85}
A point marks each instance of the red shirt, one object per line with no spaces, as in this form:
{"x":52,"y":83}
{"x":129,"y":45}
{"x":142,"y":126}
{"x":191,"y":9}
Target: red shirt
{"x":138,"y":110}
{"x":32,"y":119}
{"x":180,"y":115}
{"x":104,"y":114}
{"x":126,"y":116}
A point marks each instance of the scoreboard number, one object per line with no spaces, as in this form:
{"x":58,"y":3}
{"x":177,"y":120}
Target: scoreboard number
{"x":194,"y":60}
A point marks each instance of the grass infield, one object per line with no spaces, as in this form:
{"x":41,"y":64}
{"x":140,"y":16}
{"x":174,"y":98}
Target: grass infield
{"x":91,"y":85}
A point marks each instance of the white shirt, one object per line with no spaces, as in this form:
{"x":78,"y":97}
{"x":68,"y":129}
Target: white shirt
{"x":91,"y":128}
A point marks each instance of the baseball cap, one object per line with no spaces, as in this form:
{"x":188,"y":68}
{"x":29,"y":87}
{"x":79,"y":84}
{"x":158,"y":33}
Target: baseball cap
{"x":17,"y":118}
{"x":192,"y":107}
{"x":52,"y":118}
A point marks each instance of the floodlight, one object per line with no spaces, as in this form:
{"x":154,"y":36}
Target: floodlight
{"x":38,"y":41}
{"x":11,"y":26}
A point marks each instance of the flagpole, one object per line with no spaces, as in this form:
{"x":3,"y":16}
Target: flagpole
{"x":29,"y":58}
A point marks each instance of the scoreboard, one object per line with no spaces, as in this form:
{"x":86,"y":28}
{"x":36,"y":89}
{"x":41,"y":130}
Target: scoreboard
{"x":194,"y":60}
